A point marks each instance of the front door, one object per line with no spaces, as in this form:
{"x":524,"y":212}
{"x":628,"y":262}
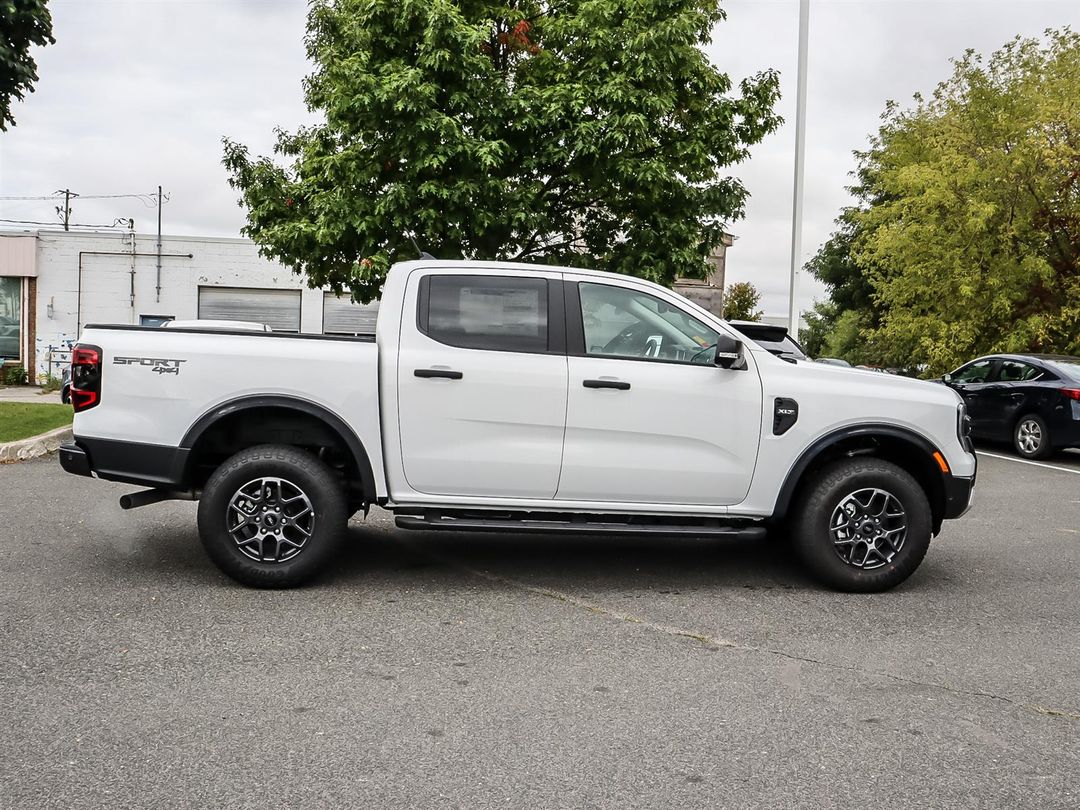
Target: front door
{"x":482,"y":384}
{"x":972,"y":382}
{"x":650,"y":418}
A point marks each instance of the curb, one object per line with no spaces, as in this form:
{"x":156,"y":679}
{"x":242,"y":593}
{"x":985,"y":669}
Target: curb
{"x":34,"y":446}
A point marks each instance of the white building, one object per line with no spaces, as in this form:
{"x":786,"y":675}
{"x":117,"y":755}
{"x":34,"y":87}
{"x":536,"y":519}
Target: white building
{"x":53,"y":283}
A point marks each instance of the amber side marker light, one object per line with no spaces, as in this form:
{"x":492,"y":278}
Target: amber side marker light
{"x":940,"y":459}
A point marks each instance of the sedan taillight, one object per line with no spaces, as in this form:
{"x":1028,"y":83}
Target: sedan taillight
{"x":1071,"y":393}
{"x":85,"y":377}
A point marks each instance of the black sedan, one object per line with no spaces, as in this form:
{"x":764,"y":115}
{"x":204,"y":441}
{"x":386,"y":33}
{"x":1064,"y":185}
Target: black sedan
{"x":1031,"y":400}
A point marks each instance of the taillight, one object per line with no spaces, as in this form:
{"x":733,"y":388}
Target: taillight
{"x":85,"y":377}
{"x":1071,"y":393}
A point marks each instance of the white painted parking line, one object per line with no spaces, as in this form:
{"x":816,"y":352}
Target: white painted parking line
{"x":1032,"y":463}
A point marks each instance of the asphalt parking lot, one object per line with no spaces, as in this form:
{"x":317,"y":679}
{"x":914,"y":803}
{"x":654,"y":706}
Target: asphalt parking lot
{"x":500,"y":671}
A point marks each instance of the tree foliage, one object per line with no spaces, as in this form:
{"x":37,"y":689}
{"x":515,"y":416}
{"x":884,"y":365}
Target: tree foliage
{"x":591,"y":132}
{"x":740,"y":302}
{"x":23,"y":23}
{"x":966,"y":238}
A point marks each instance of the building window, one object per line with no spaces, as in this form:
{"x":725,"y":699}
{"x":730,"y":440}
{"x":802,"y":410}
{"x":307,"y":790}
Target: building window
{"x":10,"y":317}
{"x":155,"y":320}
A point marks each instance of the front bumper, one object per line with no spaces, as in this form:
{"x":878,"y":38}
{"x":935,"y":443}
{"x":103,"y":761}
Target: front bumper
{"x":958,"y":492}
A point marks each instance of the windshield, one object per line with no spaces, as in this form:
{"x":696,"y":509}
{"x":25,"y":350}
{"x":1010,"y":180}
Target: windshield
{"x":774,"y":339}
{"x":785,"y":346}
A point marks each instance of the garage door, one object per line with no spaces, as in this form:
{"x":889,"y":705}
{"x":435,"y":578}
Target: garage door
{"x":279,"y":309}
{"x":342,"y":317}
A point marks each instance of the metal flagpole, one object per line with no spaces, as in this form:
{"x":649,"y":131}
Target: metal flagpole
{"x":800,"y":159}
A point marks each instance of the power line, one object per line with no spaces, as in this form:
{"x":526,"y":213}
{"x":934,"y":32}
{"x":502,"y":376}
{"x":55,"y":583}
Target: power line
{"x":118,"y":223}
{"x":150,"y":196}
{"x":28,"y":222}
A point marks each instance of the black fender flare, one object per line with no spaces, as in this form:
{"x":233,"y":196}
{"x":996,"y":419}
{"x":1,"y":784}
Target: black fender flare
{"x":256,"y":401}
{"x":823,"y":443}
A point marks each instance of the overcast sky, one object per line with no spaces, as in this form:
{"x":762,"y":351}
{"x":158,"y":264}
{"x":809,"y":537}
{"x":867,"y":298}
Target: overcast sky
{"x":137,"y":93}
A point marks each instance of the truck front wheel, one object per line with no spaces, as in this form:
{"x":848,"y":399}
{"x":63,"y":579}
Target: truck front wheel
{"x":862,"y":525}
{"x":272,"y":516}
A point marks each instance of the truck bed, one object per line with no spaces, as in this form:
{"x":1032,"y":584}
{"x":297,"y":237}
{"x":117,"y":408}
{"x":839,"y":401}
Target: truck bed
{"x":157,"y":384}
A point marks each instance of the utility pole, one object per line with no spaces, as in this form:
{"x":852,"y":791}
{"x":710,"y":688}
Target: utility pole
{"x":800,"y":159}
{"x":66,"y":213}
{"x":158,"y":298}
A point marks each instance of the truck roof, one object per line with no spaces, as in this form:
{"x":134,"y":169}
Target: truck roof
{"x":466,"y":264}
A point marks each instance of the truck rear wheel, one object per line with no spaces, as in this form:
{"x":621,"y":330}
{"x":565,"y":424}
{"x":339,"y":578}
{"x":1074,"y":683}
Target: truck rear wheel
{"x":862,"y":525}
{"x":272,"y":516}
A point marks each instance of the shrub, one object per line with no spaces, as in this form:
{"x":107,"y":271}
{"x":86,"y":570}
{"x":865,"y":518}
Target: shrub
{"x":14,"y":375}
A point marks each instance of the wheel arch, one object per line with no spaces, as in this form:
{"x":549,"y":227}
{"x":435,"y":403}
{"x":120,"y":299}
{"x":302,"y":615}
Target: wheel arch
{"x":902,"y":446}
{"x":246,"y":408}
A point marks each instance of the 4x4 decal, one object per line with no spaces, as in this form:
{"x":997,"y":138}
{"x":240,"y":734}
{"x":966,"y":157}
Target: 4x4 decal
{"x":157,"y":365}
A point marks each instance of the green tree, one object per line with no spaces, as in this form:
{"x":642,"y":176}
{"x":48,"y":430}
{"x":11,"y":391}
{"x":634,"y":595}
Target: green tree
{"x":968,"y":224}
{"x":23,"y":23}
{"x":740,"y":302}
{"x":593,"y":132}
{"x":820,"y":321}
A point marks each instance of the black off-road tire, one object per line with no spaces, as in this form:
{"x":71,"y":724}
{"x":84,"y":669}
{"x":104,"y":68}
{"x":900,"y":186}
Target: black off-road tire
{"x":1031,"y":437}
{"x":814,"y":509}
{"x":304,"y":473}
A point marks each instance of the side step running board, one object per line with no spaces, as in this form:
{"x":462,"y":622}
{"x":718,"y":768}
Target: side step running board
{"x":580,"y":524}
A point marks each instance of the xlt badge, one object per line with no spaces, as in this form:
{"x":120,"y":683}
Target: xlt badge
{"x":785,"y":414}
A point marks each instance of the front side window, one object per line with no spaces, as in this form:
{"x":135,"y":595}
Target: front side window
{"x":626,"y":323}
{"x":977,"y":372}
{"x":10,"y":316}
{"x":486,"y":312}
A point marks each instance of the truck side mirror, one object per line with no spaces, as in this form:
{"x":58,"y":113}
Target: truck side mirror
{"x":729,"y":353}
{"x":946,"y":378}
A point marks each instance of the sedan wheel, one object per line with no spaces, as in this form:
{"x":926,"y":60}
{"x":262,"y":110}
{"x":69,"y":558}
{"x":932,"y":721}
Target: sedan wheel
{"x":1031,"y":437}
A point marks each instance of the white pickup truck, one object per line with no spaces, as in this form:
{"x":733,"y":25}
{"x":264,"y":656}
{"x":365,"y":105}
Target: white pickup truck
{"x":513,"y":398}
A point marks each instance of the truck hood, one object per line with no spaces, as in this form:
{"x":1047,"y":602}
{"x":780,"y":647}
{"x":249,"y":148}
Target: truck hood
{"x":856,"y":383}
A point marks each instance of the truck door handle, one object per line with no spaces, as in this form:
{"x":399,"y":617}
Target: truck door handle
{"x":444,"y":373}
{"x":618,"y":385}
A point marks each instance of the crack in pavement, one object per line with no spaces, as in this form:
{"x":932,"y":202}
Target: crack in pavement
{"x":717,"y":643}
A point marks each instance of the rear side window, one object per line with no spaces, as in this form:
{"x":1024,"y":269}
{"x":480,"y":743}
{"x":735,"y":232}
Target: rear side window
{"x":1015,"y":371}
{"x":496,"y":313}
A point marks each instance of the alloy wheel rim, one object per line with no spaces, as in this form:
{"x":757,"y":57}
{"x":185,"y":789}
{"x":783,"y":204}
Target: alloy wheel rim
{"x":1029,"y":436}
{"x":868,"y":528}
{"x":270,"y":520}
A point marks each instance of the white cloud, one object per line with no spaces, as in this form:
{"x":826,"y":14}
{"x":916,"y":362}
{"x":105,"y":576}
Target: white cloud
{"x":140,"y":92}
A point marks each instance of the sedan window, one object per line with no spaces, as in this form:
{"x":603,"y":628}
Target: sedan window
{"x":1015,"y":371}
{"x":977,"y":372}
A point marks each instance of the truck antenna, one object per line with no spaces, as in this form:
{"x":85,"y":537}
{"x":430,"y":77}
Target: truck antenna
{"x":423,"y":253}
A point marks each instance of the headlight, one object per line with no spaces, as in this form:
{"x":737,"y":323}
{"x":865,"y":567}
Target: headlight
{"x":963,"y":427}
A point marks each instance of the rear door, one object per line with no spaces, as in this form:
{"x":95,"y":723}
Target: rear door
{"x":481,"y":381}
{"x":1013,"y":393}
{"x":650,"y":418}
